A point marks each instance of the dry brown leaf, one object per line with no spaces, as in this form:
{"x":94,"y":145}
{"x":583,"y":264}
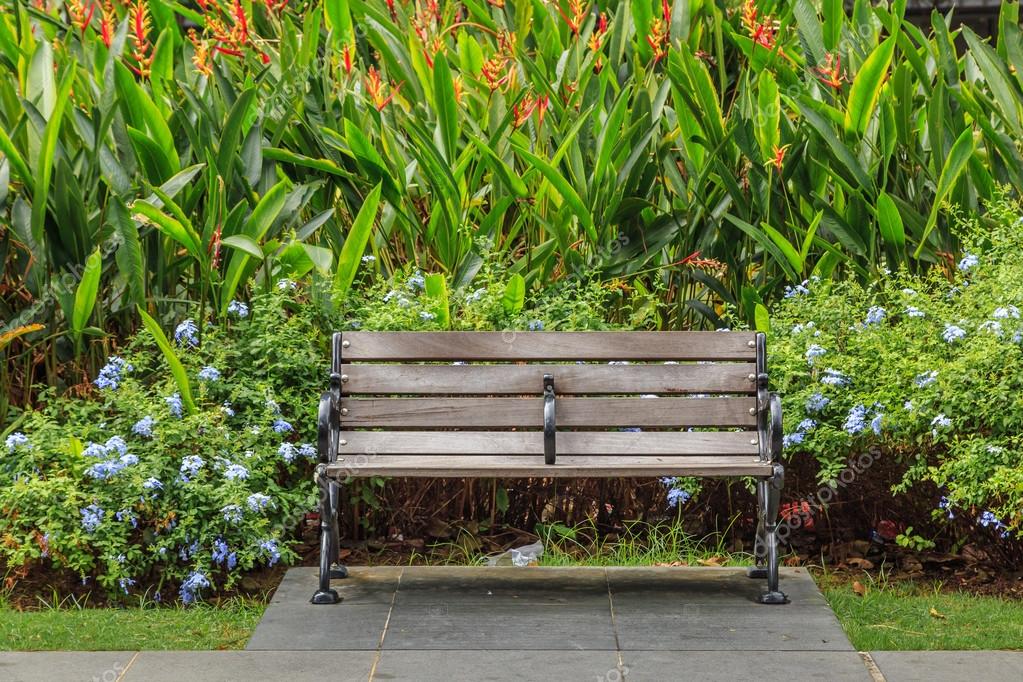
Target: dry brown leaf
{"x":712,"y":561}
{"x":863,"y":564}
{"x":858,"y":588}
{"x":934,"y":613}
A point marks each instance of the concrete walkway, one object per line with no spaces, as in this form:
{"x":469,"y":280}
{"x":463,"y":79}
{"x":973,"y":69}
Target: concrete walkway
{"x":454,"y":623}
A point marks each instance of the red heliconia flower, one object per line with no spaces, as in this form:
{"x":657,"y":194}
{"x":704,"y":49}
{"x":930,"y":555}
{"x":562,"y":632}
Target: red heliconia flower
{"x":346,"y":53}
{"x":214,"y":248}
{"x":107,"y":23}
{"x":578,"y":13}
{"x":666,"y":11}
{"x":390,"y":8}
{"x":658,"y":39}
{"x":602,"y":23}
{"x":375,"y":88}
{"x":143,"y":50}
{"x":831,"y":73}
{"x":779,"y":157}
{"x":762,"y":32}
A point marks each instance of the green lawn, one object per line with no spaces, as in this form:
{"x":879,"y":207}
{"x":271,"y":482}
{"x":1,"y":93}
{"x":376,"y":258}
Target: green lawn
{"x":226,"y":626}
{"x":899,"y":616}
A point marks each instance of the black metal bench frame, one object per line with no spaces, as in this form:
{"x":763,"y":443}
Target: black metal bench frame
{"x":767,"y":467}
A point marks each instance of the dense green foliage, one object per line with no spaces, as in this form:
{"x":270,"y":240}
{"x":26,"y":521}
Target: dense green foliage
{"x":927,"y":368}
{"x":731,"y":148}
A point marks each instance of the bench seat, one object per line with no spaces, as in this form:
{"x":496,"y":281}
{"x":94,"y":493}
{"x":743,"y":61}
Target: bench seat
{"x":549,"y":405}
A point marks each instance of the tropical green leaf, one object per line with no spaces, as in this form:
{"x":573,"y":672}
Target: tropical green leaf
{"x":177,"y":369}
{"x":355,"y":244}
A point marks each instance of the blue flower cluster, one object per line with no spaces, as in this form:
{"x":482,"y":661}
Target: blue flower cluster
{"x":257,"y":502}
{"x":174,"y":404}
{"x":192,"y":586}
{"x":190,"y":467}
{"x":236,"y":472}
{"x":223,"y":555}
{"x":925,"y":379}
{"x":813,"y":352}
{"x":988,"y":519}
{"x":92,"y":516}
{"x":209,"y":373}
{"x":952,"y":333}
{"x":111,"y":375}
{"x":114,"y":455}
{"x":832,"y":377}
{"x":232,"y":513}
{"x":817,"y":402}
{"x":144,"y":427}
{"x":281,"y":426}
{"x":17,"y":440}
{"x":238,"y":309}
{"x":875,"y":315}
{"x":290,"y":452}
{"x":856,"y":421}
{"x":270,"y":547}
{"x":968,"y":262}
{"x":187,"y":334}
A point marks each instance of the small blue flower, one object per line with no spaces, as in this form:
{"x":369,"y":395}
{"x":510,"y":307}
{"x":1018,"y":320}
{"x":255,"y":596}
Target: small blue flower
{"x":281,"y":426}
{"x":856,"y":422}
{"x":270,"y":547}
{"x":126,"y":583}
{"x":110,"y":375}
{"x":192,"y":586}
{"x":152,"y":484}
{"x":285,"y":285}
{"x":875,"y":423}
{"x":368,"y":259}
{"x":17,"y":440}
{"x":257,"y":502}
{"x":832,"y":377}
{"x":190,"y":466}
{"x":475,"y":295}
{"x":1005,"y":313}
{"x":988,"y":518}
{"x":220,"y":551}
{"x":227,"y":409}
{"x":941,"y":422}
{"x":116,"y":444}
{"x":817,"y":402}
{"x":287,"y":452}
{"x":993,"y":326}
{"x":946,"y":504}
{"x":677,"y":496}
{"x":813,"y":352}
{"x":424,"y":315}
{"x":238,"y":309}
{"x":913,"y":311}
{"x":968,"y":262}
{"x":209,"y":373}
{"x":806,"y":425}
{"x":92,"y":516}
{"x":926,"y":379}
{"x":416,"y":281}
{"x":187,"y":333}
{"x":798,"y":290}
{"x":953,"y":333}
{"x":144,"y":427}
{"x":307,"y":450}
{"x":174,"y":404}
{"x":232,"y":513}
{"x":535,"y":326}
{"x":794,"y":438}
{"x":236,"y":472}
{"x":95,"y":450}
{"x":875,"y":315}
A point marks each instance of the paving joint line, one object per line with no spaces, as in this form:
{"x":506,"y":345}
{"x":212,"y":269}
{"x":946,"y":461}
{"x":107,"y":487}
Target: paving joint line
{"x":387,"y":622}
{"x":128,"y":667}
{"x":875,"y":673}
{"x":614,"y":625}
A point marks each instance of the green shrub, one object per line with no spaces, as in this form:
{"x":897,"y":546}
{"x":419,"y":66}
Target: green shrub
{"x":925,"y":367}
{"x":133,"y":490}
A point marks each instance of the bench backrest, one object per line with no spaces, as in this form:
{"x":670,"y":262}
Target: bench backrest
{"x":482,"y":393}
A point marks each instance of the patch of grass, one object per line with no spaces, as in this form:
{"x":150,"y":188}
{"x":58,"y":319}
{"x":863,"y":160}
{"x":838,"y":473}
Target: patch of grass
{"x":920,"y":616}
{"x":78,"y":628}
{"x":641,"y":544}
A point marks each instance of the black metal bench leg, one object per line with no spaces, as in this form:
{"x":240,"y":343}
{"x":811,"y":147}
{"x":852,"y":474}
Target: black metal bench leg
{"x":759,"y":568}
{"x":337,"y":570}
{"x":328,"y":528}
{"x":772,"y":501}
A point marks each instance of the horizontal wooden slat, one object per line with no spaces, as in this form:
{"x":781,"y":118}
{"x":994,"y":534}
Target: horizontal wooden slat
{"x":727,"y":377}
{"x":514,"y":346}
{"x":531,"y":443}
{"x":485,"y":413}
{"x":532,"y":466}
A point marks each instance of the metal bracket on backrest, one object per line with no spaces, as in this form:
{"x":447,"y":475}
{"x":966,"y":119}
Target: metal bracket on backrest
{"x":763,"y":397}
{"x":549,"y":426}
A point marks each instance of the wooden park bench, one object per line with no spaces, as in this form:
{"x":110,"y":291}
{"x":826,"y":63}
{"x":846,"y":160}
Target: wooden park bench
{"x":550,"y":404}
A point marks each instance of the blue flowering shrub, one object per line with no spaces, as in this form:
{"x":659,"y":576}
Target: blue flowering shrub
{"x":131,"y":491}
{"x":925,"y":369}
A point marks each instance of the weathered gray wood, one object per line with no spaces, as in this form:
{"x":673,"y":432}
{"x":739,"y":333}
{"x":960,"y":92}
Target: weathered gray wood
{"x":485,"y":413}
{"x":728,"y":377}
{"x":516,"y":346}
{"x":533,"y":466}
{"x":610,"y":443}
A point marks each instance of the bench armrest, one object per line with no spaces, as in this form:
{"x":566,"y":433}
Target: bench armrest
{"x":326,"y":445}
{"x":774,"y":429}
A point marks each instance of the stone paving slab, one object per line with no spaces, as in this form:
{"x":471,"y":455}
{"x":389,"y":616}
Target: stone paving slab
{"x":713,"y":666}
{"x":232,"y":666}
{"x":548,"y":609}
{"x":498,"y":666}
{"x":47,"y":666}
{"x":950,"y":666}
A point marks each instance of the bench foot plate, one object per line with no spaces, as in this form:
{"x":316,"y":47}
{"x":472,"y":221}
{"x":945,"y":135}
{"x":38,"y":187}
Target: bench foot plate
{"x":773,"y":598}
{"x":757,"y":572}
{"x":338,"y":572}
{"x":326,"y":597}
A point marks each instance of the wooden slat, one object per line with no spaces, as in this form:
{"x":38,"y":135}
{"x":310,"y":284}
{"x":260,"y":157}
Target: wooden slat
{"x":615,"y":443}
{"x":487,"y":413}
{"x":532,"y":466}
{"x":515,"y":346}
{"x":726,"y":377}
